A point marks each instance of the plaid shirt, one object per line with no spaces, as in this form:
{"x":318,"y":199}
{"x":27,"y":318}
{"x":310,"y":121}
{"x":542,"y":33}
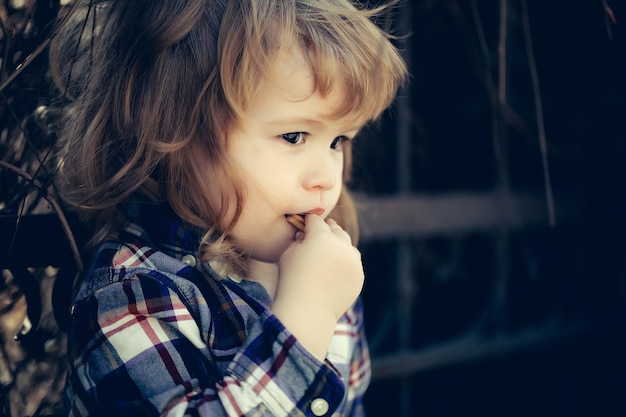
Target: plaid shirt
{"x":152,"y":336}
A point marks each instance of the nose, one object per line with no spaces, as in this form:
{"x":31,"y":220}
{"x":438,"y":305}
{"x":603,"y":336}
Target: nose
{"x":322,"y":172}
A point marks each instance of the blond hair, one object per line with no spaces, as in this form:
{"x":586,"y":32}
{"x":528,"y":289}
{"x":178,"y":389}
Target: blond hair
{"x":155,"y":83}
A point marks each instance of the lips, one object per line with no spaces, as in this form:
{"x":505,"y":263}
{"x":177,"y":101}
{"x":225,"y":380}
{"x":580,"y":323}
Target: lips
{"x":319,"y":211}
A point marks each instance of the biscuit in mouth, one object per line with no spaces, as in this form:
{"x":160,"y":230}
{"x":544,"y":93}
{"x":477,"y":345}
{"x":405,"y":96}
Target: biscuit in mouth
{"x":296,"y":220}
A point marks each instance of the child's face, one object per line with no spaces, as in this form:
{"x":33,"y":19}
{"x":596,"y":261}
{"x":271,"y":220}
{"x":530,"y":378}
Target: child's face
{"x":289,"y":151}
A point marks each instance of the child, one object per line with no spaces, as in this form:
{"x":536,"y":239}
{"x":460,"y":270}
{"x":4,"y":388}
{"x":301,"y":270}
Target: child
{"x":196,"y":126}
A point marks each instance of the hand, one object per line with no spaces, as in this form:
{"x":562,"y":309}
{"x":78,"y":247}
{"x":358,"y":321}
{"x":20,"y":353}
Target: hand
{"x":320,"y":277}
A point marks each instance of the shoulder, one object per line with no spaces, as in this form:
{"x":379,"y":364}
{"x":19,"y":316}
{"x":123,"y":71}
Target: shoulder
{"x":136,"y":274}
{"x":117,"y":261}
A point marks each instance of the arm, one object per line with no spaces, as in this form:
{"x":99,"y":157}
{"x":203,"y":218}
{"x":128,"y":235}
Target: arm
{"x":139,"y":350}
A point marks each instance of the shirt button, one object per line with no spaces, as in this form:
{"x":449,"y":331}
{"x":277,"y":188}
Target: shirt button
{"x":235,"y":278}
{"x":189,"y":260}
{"x":319,"y":406}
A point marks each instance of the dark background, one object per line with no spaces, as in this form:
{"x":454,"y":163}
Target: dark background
{"x":567,"y":279}
{"x":571,"y":274}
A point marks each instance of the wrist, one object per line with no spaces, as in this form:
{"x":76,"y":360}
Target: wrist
{"x":312,"y":326}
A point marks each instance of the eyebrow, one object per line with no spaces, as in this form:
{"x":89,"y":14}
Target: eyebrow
{"x":308,"y":122}
{"x":296,"y":120}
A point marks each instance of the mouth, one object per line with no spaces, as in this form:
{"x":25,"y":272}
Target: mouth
{"x":296,"y":220}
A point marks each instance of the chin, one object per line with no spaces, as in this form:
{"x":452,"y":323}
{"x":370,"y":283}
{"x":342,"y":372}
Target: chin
{"x":271,"y":248}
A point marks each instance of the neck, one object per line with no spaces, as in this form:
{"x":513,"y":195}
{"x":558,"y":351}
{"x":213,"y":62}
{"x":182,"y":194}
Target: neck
{"x":265,"y":274}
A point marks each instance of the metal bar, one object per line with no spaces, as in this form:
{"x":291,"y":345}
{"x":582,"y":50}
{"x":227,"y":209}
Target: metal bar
{"x":407,"y":216}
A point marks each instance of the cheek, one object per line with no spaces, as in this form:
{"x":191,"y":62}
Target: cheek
{"x":333,"y":198}
{"x":221,"y":186}
{"x":337,"y":193}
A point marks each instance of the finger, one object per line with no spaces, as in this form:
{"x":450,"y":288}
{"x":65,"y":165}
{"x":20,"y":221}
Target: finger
{"x":332,"y":223}
{"x":338,"y":230}
{"x":314,"y":222}
{"x":315,"y":225}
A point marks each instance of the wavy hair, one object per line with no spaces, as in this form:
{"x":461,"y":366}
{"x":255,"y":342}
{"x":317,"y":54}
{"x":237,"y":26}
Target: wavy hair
{"x":155,"y":83}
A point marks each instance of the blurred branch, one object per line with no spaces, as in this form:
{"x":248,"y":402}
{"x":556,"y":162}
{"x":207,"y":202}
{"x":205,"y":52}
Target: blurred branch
{"x":18,"y":70}
{"x":541,"y":132}
{"x":56,"y":207}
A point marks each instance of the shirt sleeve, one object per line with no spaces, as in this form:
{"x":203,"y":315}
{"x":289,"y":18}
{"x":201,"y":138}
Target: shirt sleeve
{"x":360,"y":367}
{"x":137,"y":349}
{"x":349,"y":352}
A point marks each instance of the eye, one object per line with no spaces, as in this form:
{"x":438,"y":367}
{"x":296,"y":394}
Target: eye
{"x":339,"y":142}
{"x":294,"y":137}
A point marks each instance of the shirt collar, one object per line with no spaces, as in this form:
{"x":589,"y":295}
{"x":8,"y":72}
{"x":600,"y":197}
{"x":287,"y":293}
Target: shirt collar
{"x":163,"y":229}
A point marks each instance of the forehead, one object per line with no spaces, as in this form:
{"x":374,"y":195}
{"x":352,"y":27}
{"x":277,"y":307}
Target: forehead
{"x":292,"y":73}
{"x":292,"y":70}
{"x":291,"y":80}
